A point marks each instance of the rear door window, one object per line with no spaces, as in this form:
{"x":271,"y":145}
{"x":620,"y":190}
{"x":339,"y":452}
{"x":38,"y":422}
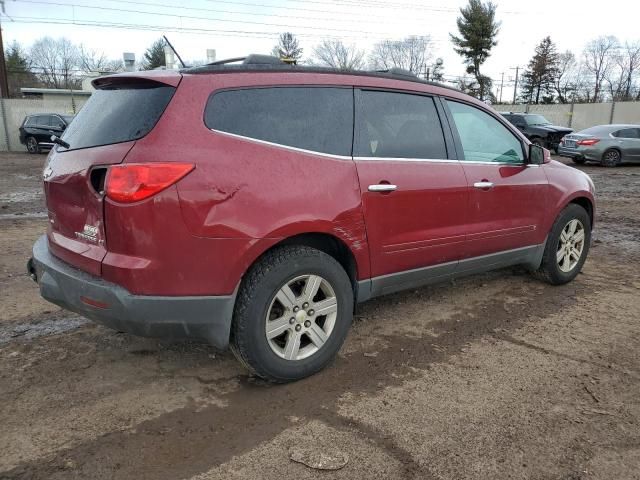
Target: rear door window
{"x":118,"y":114}
{"x":627,"y":133}
{"x":319,"y":119}
{"x":398,"y":125}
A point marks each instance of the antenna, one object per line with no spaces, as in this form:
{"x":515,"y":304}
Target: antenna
{"x":174,"y":50}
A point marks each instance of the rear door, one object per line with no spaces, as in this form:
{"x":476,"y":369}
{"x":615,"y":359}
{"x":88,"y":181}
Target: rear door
{"x":414,"y":195}
{"x":629,"y":141}
{"x":507,"y":198}
{"x":102,"y":134}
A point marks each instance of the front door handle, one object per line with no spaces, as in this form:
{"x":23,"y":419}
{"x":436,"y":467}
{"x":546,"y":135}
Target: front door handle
{"x":483,"y":185}
{"x":382,"y":187}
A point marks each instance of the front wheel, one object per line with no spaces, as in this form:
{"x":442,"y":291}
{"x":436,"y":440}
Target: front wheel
{"x":292,"y":315}
{"x":567,"y":246}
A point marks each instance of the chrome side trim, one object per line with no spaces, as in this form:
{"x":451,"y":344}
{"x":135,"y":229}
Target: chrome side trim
{"x":395,"y":282}
{"x":286,"y":147}
{"x":436,"y":160}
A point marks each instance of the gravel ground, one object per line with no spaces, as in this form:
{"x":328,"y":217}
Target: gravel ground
{"x":494,"y":376}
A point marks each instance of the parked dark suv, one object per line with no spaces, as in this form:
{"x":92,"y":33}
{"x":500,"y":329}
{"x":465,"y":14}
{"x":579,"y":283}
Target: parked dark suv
{"x":255,"y":204}
{"x":36,"y":130}
{"x":538,"y":129}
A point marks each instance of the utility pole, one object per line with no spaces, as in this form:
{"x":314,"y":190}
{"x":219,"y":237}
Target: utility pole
{"x":4,"y":83}
{"x":515,"y":88}
{"x":501,"y":85}
{"x":428,"y":72}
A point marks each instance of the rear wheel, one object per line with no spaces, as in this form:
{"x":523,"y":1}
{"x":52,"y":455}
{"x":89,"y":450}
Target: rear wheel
{"x":611,"y":158}
{"x":32,"y":145}
{"x":567,"y":246}
{"x":293,"y":312}
{"x":539,"y":142}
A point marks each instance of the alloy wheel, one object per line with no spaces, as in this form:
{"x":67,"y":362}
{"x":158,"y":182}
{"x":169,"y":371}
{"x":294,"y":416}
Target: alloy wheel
{"x":570,"y":245}
{"x":301,"y":317}
{"x":32,"y":145}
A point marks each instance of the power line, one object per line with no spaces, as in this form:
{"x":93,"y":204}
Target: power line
{"x":194,"y":30}
{"x":189,"y":16}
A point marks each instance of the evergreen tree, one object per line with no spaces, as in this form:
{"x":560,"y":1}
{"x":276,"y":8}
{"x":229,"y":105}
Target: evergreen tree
{"x":154,"y":56}
{"x":19,"y":72}
{"x":540,"y":76}
{"x":478,"y":30}
{"x":288,"y":47}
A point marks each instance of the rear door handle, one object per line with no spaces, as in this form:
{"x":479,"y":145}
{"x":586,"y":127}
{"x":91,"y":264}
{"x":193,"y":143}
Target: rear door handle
{"x":382,"y":187}
{"x":483,"y":185}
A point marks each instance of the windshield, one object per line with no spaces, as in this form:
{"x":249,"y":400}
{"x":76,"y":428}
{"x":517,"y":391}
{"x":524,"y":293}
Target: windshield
{"x":536,"y":120}
{"x":118,"y":114}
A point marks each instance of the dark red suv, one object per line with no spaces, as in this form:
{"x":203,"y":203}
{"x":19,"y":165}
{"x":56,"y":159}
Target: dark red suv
{"x":255,"y":204}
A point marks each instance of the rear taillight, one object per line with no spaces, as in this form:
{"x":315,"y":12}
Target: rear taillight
{"x":588,"y":141}
{"x":136,"y":181}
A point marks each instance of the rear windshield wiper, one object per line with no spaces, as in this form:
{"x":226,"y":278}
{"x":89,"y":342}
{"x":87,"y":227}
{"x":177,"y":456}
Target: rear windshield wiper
{"x":57,"y":140}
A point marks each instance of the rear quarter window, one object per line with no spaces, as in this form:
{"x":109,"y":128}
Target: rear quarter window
{"x":318,"y":119}
{"x":118,"y":114}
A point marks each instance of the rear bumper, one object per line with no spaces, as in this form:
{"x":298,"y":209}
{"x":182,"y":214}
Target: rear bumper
{"x":205,"y":318}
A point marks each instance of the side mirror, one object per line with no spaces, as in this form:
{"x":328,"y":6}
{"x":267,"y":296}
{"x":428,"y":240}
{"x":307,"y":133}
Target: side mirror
{"x":538,"y":155}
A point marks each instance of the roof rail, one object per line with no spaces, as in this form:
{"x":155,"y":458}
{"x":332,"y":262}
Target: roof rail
{"x":252,"y":59}
{"x":401,"y":72}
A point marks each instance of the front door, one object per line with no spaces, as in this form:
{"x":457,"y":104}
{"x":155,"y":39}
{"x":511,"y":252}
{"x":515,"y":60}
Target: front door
{"x":414,"y":196}
{"x":507,"y":197}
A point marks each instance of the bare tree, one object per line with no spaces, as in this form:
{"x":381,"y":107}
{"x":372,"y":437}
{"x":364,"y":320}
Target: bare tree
{"x":565,"y":80}
{"x":413,"y":54}
{"x":90,"y":60}
{"x":598,"y":60}
{"x":55,"y":60}
{"x":335,"y":54}
{"x":628,"y":62}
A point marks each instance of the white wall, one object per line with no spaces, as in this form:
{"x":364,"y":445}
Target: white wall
{"x":14,"y":110}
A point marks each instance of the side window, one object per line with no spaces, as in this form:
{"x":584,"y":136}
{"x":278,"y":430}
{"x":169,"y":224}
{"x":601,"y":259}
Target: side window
{"x":41,"y":121}
{"x":398,"y":125}
{"x":483,"y":138}
{"x":30,"y":121}
{"x":312,"y":118}
{"x":627,"y":133}
{"x":56,"y":122}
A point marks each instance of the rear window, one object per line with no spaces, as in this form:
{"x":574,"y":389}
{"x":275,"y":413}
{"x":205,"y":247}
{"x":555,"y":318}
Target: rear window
{"x":319,"y":119}
{"x":398,"y":125}
{"x":118,"y":114}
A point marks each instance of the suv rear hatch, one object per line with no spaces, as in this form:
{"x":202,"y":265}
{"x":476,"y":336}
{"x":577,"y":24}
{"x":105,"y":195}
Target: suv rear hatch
{"x":122,"y":110}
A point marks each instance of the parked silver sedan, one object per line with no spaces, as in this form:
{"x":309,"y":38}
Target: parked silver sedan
{"x":609,"y":145}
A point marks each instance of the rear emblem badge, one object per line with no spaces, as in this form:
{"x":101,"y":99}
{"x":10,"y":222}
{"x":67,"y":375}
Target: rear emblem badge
{"x":89,"y":234}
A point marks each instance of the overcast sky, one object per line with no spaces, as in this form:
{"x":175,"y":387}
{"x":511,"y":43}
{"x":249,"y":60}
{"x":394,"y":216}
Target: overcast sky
{"x":235,"y":28}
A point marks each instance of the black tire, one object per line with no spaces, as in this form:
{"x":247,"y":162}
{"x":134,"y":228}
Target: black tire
{"x":549,"y":270}
{"x":32,"y":145}
{"x":538,"y":141}
{"x":248,"y":338}
{"x":578,"y":160}
{"x":611,"y":158}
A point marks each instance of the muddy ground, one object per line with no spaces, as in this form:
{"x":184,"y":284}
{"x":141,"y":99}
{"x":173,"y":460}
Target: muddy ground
{"x":495,"y":376}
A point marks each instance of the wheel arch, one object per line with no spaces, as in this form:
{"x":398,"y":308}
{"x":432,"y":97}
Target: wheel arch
{"x":585,"y":203}
{"x":330,"y":244}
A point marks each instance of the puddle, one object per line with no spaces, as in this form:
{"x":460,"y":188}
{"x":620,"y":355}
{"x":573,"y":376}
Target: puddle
{"x":29,"y":331}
